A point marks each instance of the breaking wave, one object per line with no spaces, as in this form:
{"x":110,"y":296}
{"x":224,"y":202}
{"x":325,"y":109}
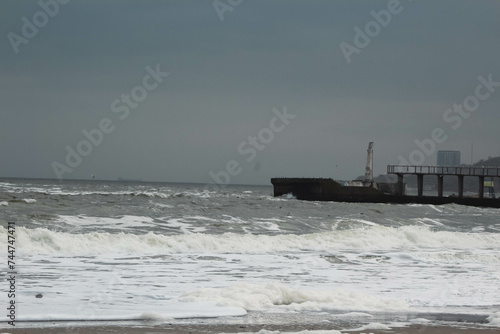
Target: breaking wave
{"x":41,"y":240}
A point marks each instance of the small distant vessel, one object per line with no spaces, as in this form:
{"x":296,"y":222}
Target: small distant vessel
{"x":369,"y":191}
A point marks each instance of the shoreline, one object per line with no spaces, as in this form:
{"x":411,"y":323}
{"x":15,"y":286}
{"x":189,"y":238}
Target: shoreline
{"x":241,"y":328}
{"x":272,"y":323}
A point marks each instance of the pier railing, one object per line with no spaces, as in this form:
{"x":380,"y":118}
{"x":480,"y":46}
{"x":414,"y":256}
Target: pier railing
{"x":440,"y":171}
{"x":445,"y":170}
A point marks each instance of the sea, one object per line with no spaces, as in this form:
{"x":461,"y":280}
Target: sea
{"x":143,"y":252}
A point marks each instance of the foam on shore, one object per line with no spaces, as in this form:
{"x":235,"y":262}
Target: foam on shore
{"x":261,"y":297}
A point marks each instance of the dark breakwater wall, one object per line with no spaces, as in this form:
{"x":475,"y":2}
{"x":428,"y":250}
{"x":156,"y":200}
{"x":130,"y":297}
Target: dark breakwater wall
{"x":320,"y":189}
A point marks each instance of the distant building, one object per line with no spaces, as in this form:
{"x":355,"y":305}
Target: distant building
{"x":448,"y":158}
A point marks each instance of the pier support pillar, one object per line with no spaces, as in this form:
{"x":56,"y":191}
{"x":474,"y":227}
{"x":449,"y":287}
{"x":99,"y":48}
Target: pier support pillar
{"x":460,"y":186}
{"x":481,"y":187}
{"x":400,"y":184}
{"x":494,"y":195}
{"x":440,"y":185}
{"x":420,"y":184}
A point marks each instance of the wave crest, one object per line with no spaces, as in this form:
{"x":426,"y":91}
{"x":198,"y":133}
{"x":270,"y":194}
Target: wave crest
{"x":41,"y":240}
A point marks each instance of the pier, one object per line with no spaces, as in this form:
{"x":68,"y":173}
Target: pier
{"x":367,"y":190}
{"x":440,"y":172}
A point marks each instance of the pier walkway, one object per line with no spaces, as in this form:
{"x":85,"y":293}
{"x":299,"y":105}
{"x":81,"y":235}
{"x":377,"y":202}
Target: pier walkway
{"x":440,"y":172}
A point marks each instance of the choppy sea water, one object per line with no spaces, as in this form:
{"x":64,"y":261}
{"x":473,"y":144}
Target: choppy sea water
{"x":118,"y":251}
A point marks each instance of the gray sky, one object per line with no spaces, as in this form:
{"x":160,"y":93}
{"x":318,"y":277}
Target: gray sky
{"x":226,"y":77}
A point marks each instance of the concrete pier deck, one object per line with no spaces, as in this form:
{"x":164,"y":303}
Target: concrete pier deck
{"x":440,"y":171}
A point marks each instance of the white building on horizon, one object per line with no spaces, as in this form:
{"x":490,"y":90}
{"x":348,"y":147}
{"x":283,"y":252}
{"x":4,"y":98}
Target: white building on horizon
{"x":448,"y":158}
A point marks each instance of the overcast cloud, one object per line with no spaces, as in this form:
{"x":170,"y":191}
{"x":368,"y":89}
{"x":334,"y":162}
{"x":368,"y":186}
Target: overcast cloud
{"x":226,"y":77}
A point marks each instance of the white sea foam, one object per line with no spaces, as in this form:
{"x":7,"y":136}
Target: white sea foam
{"x":169,"y":310}
{"x":352,"y":315}
{"x":29,"y":200}
{"x":184,"y":224}
{"x":447,"y":256}
{"x":233,"y":220}
{"x":268,"y":225}
{"x":425,"y":221}
{"x":419,"y":321}
{"x":265,"y":331}
{"x":494,"y":319}
{"x":153,"y":316}
{"x":259,"y":297}
{"x":42,"y":240}
{"x":354,"y":220}
{"x":370,"y":326}
{"x":58,"y":191}
{"x":125,"y":221}
{"x":161,"y":205}
{"x":285,"y":197}
{"x":4,"y":203}
{"x":435,"y":208}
